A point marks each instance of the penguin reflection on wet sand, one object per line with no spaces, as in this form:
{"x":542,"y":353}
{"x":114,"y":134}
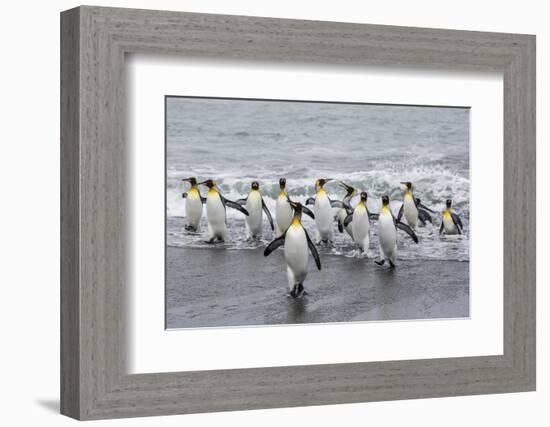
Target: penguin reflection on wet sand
{"x":415,"y":212}
{"x":387,"y":233}
{"x":215,"y":212}
{"x":193,"y":205}
{"x":322,"y":208}
{"x":451,"y":222}
{"x":297,"y":244}
{"x":283,"y":211}
{"x":254,"y":204}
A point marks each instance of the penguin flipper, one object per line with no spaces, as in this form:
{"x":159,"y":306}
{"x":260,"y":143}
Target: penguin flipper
{"x":348,"y":220}
{"x":441,"y":228}
{"x":340,"y":226}
{"x":400,"y":214}
{"x":310,"y":201}
{"x":313,"y":251}
{"x":424,"y":216}
{"x":373,"y":216}
{"x":337,"y":204}
{"x":279,"y":241}
{"x":308,"y":212}
{"x":203,"y":200}
{"x":268,"y":214}
{"x":184,"y":195}
{"x":234,"y":205}
{"x":457,"y":220}
{"x":426,"y":208}
{"x":407,"y":230}
{"x":241,"y":202}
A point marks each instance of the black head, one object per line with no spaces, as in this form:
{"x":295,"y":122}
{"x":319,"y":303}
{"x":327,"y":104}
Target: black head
{"x":350,"y":191}
{"x":282,"y":183}
{"x":363,"y":196}
{"x":322,"y":181}
{"x":408,"y":185}
{"x":255,"y":185}
{"x":191,"y":180}
{"x":449,"y":202}
{"x":297,"y":206}
{"x":210,"y":183}
{"x":385,"y":200}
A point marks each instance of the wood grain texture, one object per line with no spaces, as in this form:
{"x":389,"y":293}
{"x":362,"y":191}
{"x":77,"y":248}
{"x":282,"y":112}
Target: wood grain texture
{"x":94,"y":231}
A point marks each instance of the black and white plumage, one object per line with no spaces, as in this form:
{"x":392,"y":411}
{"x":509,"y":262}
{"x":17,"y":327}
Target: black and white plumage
{"x":297,"y":244}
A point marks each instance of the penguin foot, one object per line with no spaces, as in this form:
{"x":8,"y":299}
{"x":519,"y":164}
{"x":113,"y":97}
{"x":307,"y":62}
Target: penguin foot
{"x":292,"y":293}
{"x":392,"y":265}
{"x":210,"y":241}
{"x":300,"y":291}
{"x":381,"y":262}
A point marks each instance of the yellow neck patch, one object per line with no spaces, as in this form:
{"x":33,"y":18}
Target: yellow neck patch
{"x":408,"y":194}
{"x":296,"y":221}
{"x":212,"y":191}
{"x":447,"y":213}
{"x":193,"y":190}
{"x":321,"y":190}
{"x":385,"y":209}
{"x":282,"y":193}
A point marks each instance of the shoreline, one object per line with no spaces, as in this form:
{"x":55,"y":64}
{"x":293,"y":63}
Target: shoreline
{"x":217,"y":288}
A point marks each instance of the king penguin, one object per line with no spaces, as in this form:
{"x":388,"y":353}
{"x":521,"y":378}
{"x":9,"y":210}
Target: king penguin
{"x":254,"y":204}
{"x":343,"y":213}
{"x":296,"y":242}
{"x":283,"y":210}
{"x":193,"y":205}
{"x":451,"y":222}
{"x":215,"y":212}
{"x":415,"y":212}
{"x":360,"y":223}
{"x":387,"y":233}
{"x":322,"y":209}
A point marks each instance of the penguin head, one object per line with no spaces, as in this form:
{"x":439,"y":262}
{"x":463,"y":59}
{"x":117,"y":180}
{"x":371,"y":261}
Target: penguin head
{"x":364,"y":197}
{"x":255,"y":185}
{"x":299,"y":208}
{"x":408,"y":185}
{"x":282,"y":183}
{"x":385,"y":200}
{"x":210,"y":183}
{"x":350,"y":191}
{"x":191,"y":180}
{"x":321,"y":182}
{"x":449,"y":202}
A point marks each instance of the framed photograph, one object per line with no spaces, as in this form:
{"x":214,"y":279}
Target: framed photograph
{"x":262,"y":213}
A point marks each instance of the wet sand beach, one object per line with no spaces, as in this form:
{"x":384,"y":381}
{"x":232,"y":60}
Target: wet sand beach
{"x":214,"y":287}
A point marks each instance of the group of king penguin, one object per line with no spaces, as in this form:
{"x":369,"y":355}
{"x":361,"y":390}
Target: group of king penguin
{"x":353,"y":217}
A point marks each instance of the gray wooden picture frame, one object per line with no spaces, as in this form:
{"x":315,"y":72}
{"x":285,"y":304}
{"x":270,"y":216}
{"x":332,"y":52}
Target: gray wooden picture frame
{"x":94,"y":381}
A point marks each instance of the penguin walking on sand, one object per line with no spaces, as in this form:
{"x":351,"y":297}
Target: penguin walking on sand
{"x":387,"y":233}
{"x":451,"y":222}
{"x":343,"y":212}
{"x":283,"y":210}
{"x":414,"y":211}
{"x":254,"y":204}
{"x":193,"y":205}
{"x":215,"y":212}
{"x":359,"y":220}
{"x":322,"y":208}
{"x":297,"y":243}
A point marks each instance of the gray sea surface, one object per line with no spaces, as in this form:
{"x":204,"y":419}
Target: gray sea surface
{"x":371,"y":147}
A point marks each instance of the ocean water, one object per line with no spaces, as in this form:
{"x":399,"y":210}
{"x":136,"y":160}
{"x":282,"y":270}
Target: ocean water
{"x":371,"y":147}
